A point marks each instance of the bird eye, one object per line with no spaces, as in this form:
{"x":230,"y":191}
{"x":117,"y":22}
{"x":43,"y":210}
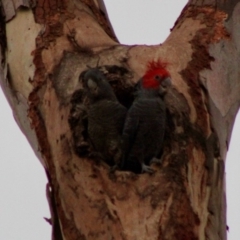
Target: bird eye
{"x":157,"y":77}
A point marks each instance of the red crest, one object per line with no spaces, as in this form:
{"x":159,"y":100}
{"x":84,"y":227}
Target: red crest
{"x":154,"y":69}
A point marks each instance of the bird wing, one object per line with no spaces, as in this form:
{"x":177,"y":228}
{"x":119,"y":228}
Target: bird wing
{"x":129,"y":132}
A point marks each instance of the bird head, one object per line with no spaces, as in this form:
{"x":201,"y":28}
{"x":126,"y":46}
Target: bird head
{"x":156,"y":77}
{"x":97,"y":86}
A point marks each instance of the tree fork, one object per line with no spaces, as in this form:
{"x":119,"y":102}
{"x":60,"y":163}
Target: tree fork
{"x":46,"y":45}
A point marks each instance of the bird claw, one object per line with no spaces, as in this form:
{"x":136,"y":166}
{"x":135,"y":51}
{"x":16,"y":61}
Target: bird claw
{"x":156,"y":160}
{"x":147,"y":169}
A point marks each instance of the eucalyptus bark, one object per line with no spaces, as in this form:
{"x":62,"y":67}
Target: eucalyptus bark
{"x":45,"y":45}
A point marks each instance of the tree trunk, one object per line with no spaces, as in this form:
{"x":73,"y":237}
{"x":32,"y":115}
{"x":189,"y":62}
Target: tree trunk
{"x":46,"y":45}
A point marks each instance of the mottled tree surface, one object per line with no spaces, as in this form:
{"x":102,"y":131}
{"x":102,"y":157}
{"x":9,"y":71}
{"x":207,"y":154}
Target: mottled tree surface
{"x":46,"y":44}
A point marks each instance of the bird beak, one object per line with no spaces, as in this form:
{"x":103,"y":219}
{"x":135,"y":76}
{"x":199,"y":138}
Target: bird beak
{"x":164,"y":85}
{"x":91,"y":84}
{"x":166,"y":82}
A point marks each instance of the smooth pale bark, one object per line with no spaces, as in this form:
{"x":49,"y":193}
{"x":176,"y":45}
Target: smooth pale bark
{"x":49,"y":43}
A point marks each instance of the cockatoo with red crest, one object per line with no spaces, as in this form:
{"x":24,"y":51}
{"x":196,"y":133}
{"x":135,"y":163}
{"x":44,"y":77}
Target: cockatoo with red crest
{"x":145,"y":123}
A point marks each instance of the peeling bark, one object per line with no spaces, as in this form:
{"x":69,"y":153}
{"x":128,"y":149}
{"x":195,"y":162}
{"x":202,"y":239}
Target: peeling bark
{"x":185,"y":197}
